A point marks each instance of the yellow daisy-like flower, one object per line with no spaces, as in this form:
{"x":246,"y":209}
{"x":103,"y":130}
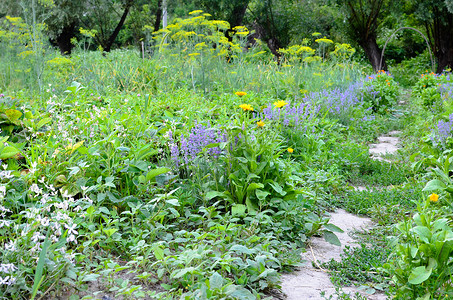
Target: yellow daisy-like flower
{"x":433,"y":197}
{"x":246,"y":107}
{"x":260,"y":124}
{"x":290,"y":150}
{"x":280,"y":103}
{"x":240,"y":94}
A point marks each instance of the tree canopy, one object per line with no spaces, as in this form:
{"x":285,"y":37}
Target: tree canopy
{"x":363,"y":23}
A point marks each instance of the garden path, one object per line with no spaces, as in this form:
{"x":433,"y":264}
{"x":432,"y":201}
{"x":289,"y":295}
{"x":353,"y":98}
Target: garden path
{"x":310,"y":280}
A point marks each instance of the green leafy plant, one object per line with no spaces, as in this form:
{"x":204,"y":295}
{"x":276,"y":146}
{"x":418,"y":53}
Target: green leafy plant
{"x":421,"y":262}
{"x":380,"y":92}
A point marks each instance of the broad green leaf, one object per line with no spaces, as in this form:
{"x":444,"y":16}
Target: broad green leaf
{"x":253,"y":186}
{"x":70,"y":190}
{"x":13,"y":115}
{"x":28,"y":115}
{"x":333,"y":228}
{"x":173,"y":202}
{"x":277,"y":188}
{"x":82,"y":150}
{"x":145,"y":152}
{"x":414,"y":251}
{"x":8,"y":152}
{"x":215,"y":281}
{"x":156,"y":172}
{"x":241,"y":249}
{"x":440,"y":224}
{"x":174,"y":212}
{"x":109,"y":232}
{"x":251,"y":176}
{"x":90,"y":210}
{"x":426,"y":296}
{"x":238,"y":210}
{"x":434,"y":185}
{"x":423,"y":233}
{"x":331,"y":237}
{"x":140,"y":165}
{"x":123,"y":149}
{"x":158,"y":252}
{"x":182,"y":272}
{"x":212,"y":194}
{"x":212,"y":145}
{"x":445,"y":251}
{"x":260,"y":167}
{"x":242,"y":294}
{"x":261,"y":195}
{"x":90,"y":277}
{"x":419,"y":275}
{"x":71,"y":148}
{"x":104,"y":210}
{"x":242,"y":160}
{"x":251,"y":205}
{"x":43,"y":122}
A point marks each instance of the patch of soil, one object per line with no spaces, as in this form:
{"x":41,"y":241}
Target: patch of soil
{"x":387,"y":145}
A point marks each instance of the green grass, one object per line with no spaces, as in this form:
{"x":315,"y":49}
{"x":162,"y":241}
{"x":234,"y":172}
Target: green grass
{"x":359,"y":266}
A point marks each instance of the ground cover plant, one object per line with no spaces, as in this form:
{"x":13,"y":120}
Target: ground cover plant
{"x":200,"y":171}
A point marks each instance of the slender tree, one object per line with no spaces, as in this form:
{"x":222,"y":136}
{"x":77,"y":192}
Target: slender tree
{"x":108,"y":18}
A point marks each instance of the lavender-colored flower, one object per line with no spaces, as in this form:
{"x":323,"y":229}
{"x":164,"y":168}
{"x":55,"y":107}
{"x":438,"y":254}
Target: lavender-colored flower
{"x":199,"y":137}
{"x":442,"y":132}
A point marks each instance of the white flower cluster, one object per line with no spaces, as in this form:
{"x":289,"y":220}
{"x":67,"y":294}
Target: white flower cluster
{"x":7,"y":269}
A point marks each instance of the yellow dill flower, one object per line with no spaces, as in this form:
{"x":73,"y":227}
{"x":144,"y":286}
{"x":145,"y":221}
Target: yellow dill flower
{"x":290,"y":150}
{"x":280,"y":103}
{"x":324,"y":40}
{"x":246,"y":107}
{"x":195,"y":12}
{"x":260,"y":124}
{"x":240,"y":94}
{"x":433,"y":197}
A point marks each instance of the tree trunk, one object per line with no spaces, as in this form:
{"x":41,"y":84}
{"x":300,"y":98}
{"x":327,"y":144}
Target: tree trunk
{"x":236,"y":18}
{"x":158,"y":15}
{"x":63,"y":40}
{"x":113,"y":36}
{"x":444,"y":44}
{"x":445,"y":59}
{"x":272,"y":42}
{"x":373,"y":53}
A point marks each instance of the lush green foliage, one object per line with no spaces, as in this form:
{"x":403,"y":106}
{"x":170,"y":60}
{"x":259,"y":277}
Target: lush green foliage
{"x":201,"y":171}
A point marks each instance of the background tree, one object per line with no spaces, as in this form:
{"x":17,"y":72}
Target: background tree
{"x":363,"y":20}
{"x":107,"y":17}
{"x":268,"y":18}
{"x":64,"y":21}
{"x":434,"y":16}
{"x":143,"y":12}
{"x":309,"y":16}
